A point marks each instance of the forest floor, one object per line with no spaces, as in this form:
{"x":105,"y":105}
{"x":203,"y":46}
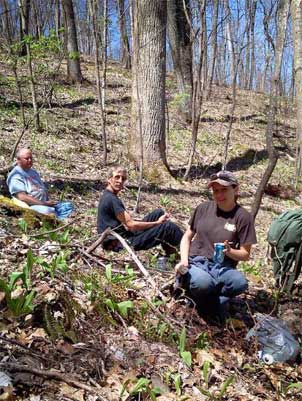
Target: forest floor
{"x":94,"y":328}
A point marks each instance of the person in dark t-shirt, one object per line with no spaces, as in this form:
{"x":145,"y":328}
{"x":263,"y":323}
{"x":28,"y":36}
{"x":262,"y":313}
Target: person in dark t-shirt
{"x":210,"y":284}
{"x":155,"y":229}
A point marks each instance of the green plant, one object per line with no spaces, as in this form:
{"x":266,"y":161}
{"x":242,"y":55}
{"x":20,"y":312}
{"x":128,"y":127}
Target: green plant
{"x":23,"y":225}
{"x":297,"y":386}
{"x":165,"y":201}
{"x":213,"y":395}
{"x":23,"y":303}
{"x":202,"y":340}
{"x":253,"y":269}
{"x":142,"y":387}
{"x":186,"y":356}
{"x":59,"y":262}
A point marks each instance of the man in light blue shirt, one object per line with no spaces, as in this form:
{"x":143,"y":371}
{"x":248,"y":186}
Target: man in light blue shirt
{"x":25,"y":184}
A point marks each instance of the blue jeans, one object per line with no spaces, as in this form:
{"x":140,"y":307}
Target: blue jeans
{"x":61,"y":210}
{"x":210,"y":285}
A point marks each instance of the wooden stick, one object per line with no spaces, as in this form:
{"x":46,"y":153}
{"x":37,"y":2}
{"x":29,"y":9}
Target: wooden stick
{"x":139,"y":264}
{"x":51,"y":375}
{"x":99,"y":240}
{"x":56,"y":229}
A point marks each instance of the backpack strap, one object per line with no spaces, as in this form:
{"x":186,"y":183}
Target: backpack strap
{"x":293,"y":272}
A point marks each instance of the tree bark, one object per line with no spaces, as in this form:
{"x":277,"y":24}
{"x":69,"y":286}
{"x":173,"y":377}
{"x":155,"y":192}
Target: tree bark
{"x":125,"y":47}
{"x":147,"y":138}
{"x":181,"y":50}
{"x":74,"y":73}
{"x":24,"y":7}
{"x":296,"y":13}
{"x":282,"y":16}
{"x":213,"y":47}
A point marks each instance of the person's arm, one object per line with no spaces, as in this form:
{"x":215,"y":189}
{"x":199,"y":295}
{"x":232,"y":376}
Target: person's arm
{"x":30,"y":200}
{"x":136,"y":225}
{"x":183,"y":265}
{"x":241,"y":254}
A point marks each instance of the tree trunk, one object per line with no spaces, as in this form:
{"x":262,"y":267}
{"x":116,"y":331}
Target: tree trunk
{"x":73,"y":56}
{"x":147,"y":138}
{"x":24,"y":7}
{"x":229,"y":38}
{"x":125,"y":47}
{"x":213,"y":47}
{"x":282,"y":15}
{"x":181,"y":50}
{"x":297,"y":37}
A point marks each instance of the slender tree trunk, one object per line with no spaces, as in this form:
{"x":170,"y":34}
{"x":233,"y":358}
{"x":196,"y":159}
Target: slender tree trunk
{"x":296,"y":12}
{"x":148,"y":87}
{"x":181,"y":50}
{"x":282,"y":16}
{"x":252,"y":29}
{"x":125,"y":47}
{"x":24,"y":7}
{"x":229,"y":38}
{"x":58,"y":22}
{"x":73,"y":56}
{"x":197,"y":93}
{"x":214,"y":48}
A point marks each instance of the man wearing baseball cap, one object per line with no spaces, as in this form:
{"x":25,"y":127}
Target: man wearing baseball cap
{"x":208,"y":282}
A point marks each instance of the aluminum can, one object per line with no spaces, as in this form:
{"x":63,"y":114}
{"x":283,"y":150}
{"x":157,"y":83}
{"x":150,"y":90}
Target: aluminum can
{"x":162,"y":263}
{"x":218,"y":252}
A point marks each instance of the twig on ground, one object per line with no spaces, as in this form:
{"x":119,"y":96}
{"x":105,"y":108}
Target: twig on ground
{"x":50,"y":375}
{"x":139,"y":264}
{"x":99,"y":240}
{"x":56,"y":229}
{"x":26,"y":349}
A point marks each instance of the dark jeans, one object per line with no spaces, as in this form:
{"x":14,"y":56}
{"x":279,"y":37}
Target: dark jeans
{"x":167,"y":234}
{"x":210,"y":285}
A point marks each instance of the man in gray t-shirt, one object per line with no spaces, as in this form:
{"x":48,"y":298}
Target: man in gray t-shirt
{"x":25,"y":184}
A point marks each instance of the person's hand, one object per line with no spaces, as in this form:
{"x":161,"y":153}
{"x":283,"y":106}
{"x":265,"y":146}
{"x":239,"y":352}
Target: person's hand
{"x":181,"y":268}
{"x":227,"y":247}
{"x":50,"y":203}
{"x":162,"y":219}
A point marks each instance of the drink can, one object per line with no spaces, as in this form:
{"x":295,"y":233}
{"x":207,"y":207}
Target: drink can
{"x":218,"y":252}
{"x":162,"y":263}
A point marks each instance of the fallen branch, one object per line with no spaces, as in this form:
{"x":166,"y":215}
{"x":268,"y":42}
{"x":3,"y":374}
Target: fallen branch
{"x":139,"y":264}
{"x":56,"y":229}
{"x":99,"y":240}
{"x":50,"y":375}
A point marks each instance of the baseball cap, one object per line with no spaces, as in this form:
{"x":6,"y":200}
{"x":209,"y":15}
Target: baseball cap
{"x":224,"y":177}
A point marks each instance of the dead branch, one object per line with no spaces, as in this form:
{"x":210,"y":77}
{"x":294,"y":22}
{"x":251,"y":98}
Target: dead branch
{"x":55,"y":375}
{"x":55,"y":229}
{"x":139,"y":264}
{"x":99,"y":240}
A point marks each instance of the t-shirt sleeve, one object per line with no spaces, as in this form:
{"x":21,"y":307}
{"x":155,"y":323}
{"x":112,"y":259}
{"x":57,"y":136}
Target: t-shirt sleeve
{"x":16,"y":184}
{"x":246,"y":232}
{"x":193,"y":220}
{"x":117,"y":206}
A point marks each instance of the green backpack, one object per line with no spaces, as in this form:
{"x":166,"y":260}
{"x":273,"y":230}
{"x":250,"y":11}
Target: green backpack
{"x":285,"y":238}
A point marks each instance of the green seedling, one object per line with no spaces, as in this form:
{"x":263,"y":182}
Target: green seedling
{"x":141,"y":387}
{"x":186,"y":356}
{"x":202,"y":341}
{"x":213,"y":395}
{"x":23,"y":304}
{"x":59,"y":262}
{"x":165,"y":201}
{"x":22,"y":223}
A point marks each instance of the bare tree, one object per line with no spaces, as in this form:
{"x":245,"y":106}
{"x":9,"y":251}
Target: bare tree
{"x":181,"y":50}
{"x":296,"y":13}
{"x":124,"y":44}
{"x":213,"y":47}
{"x":73,"y":56}
{"x":282,"y":16}
{"x":147,"y":138}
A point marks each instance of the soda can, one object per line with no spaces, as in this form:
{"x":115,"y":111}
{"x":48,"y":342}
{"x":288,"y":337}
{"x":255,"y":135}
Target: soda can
{"x":218,"y":252}
{"x":162,"y":263}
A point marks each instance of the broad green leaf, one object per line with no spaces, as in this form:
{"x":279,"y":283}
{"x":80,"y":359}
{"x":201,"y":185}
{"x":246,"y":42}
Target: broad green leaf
{"x":297,"y":385}
{"x":13,"y":278}
{"x":186,"y":357}
{"x":182,"y":340}
{"x":111,"y":305}
{"x":108,"y":272}
{"x":124,"y":306}
{"x":224,"y":386}
{"x":140,"y":385}
{"x":206,"y":371}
